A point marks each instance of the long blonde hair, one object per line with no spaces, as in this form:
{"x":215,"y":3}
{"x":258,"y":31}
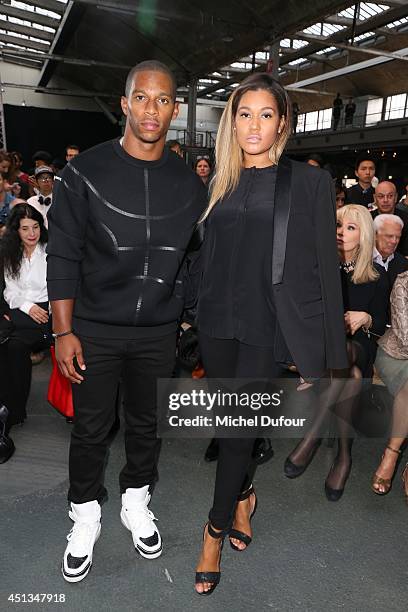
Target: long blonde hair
{"x":364,"y":270}
{"x":228,"y":153}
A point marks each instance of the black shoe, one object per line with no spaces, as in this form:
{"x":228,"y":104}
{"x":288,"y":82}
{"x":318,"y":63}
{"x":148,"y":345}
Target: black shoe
{"x":212,"y":577}
{"x":240,"y":535}
{"x":262,"y":450}
{"x":291,"y":470}
{"x":7,"y":448}
{"x":334,"y":495}
{"x":211,"y":454}
{"x":69,"y":420}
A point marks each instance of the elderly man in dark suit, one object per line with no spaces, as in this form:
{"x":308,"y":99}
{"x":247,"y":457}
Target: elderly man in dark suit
{"x":388,"y":229}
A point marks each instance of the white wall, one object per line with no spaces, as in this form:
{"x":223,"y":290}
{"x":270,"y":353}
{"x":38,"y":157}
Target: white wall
{"x":11,"y":73}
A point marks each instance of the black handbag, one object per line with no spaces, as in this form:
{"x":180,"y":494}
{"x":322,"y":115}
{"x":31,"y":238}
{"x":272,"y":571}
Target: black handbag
{"x":7,"y":447}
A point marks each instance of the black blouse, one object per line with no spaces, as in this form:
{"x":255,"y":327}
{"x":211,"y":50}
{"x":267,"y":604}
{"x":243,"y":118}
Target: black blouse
{"x":372,"y":297}
{"x":236,"y":299}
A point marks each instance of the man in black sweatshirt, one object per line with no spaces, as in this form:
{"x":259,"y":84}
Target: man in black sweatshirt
{"x":123,"y":215}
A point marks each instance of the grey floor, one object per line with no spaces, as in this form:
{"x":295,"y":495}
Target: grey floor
{"x":307,"y":554}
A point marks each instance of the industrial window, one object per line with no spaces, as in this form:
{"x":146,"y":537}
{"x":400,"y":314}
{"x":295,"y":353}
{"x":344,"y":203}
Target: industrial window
{"x":396,"y":106}
{"x":374,"y":111}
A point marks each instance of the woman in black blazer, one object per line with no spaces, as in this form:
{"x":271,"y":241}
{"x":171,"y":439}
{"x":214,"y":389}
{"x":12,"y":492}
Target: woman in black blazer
{"x":270,"y":290}
{"x":365,"y":290}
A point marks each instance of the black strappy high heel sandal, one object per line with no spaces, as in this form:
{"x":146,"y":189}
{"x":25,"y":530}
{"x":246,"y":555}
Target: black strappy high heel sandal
{"x":212,"y":577}
{"x":240,"y":535}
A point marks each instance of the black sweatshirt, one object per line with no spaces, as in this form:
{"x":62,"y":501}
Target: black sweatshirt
{"x":119,"y":229}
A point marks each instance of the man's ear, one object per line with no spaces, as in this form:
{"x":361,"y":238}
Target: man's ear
{"x":124,"y":105}
{"x":176,"y":110}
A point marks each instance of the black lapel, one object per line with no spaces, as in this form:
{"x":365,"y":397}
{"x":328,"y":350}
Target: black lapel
{"x":281,"y":218}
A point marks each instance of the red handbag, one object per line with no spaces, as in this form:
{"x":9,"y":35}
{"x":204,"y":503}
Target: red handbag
{"x":60,"y":390}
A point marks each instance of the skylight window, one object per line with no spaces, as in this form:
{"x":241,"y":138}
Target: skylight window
{"x":397,"y":23}
{"x":323,"y":29}
{"x":326,"y":50}
{"x":23,"y":6}
{"x":300,"y":60}
{"x":366,"y":11}
{"x":243,"y":65}
{"x":364,"y":36}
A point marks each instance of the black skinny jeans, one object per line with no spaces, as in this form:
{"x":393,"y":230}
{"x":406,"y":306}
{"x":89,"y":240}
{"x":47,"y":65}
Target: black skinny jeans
{"x":235,"y":468}
{"x":136,"y":364}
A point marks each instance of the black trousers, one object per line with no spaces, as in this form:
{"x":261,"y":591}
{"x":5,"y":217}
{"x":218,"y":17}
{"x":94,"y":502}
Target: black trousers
{"x":136,"y":364}
{"x":235,"y":469}
{"x":15,"y":363}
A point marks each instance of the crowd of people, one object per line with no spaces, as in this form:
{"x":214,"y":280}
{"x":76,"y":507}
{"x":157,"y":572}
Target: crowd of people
{"x":317,"y":283}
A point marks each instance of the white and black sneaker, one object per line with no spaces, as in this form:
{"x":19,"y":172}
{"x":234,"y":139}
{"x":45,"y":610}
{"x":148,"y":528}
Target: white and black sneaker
{"x":136,"y":517}
{"x":81,"y":539}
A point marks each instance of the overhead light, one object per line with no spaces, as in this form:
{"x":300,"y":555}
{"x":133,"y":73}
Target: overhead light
{"x":227,"y":38}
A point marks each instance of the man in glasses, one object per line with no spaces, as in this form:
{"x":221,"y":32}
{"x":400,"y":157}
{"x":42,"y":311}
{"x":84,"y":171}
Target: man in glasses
{"x":44,"y":182}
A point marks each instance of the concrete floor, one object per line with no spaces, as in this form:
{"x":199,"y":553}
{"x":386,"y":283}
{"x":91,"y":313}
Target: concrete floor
{"x":307,"y":555}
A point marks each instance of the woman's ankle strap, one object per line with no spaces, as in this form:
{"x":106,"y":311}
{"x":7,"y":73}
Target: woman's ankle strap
{"x":216,"y":534}
{"x":394,"y":450}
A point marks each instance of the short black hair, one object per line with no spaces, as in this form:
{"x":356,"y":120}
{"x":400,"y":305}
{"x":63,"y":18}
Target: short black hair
{"x":72,"y":146}
{"x":315,"y":157}
{"x":44,"y":155}
{"x":152,"y":66}
{"x":362,"y":158}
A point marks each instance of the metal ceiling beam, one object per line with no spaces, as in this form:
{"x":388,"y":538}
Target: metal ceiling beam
{"x":368,"y":25}
{"x":55,"y":91}
{"x":10,"y":11}
{"x":5,"y":51}
{"x":23,"y":42}
{"x":339,"y":72}
{"x":48,"y":5}
{"x":20,"y":29}
{"x":360,"y":49}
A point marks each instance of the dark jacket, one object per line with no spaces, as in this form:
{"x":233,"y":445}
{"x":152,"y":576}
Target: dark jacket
{"x":305,"y":288}
{"x":396,"y":266}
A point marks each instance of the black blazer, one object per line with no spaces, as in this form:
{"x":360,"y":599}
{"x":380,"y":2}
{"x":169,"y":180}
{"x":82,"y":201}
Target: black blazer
{"x":305,"y":270}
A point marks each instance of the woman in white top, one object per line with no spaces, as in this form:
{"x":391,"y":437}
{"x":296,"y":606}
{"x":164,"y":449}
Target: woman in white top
{"x":24,"y":301}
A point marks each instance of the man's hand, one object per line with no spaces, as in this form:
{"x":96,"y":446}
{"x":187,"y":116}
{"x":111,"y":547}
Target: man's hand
{"x":68,"y":348}
{"x":39,"y":315}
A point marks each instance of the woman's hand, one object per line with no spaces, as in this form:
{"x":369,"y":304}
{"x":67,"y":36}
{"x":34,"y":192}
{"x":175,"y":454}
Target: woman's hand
{"x":39,"y":315}
{"x":354,"y":319}
{"x":66,"y":349}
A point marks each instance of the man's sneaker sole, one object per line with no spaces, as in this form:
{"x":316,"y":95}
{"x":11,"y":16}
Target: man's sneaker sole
{"x":85,"y":571}
{"x":144,"y":553}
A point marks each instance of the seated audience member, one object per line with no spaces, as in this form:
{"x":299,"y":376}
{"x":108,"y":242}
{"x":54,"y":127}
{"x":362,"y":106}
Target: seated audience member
{"x":24,"y":291}
{"x":392,"y":366}
{"x":314,"y":159}
{"x":18,"y":179}
{"x":362,"y":193}
{"x":340,"y":195}
{"x":71,"y":151}
{"x":5,"y":163}
{"x":175,"y":146}
{"x":386,"y":200}
{"x":202,"y":168}
{"x":44,"y":180}
{"x":41,"y":158}
{"x":6,"y":200}
{"x":388,"y":229}
{"x":403,"y":203}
